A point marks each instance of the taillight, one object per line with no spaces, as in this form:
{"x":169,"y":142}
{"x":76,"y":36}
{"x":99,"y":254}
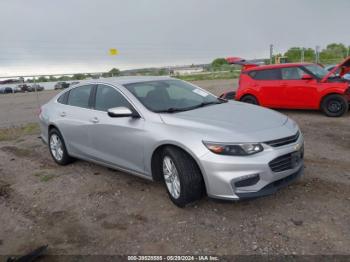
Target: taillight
{"x":39,"y":111}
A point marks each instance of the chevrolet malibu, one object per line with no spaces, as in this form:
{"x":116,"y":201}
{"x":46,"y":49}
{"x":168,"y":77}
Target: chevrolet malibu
{"x":169,"y":130}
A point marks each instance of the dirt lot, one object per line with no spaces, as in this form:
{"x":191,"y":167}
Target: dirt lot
{"x":87,"y":209}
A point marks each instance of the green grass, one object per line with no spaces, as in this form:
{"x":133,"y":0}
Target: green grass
{"x":210,"y":76}
{"x":21,"y":152}
{"x":13,"y":133}
{"x":30,"y":129}
{"x":18,"y":152}
{"x":46,"y":178}
{"x":39,"y":173}
{"x":44,"y":175}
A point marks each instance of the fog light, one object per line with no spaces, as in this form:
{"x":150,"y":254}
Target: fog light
{"x":248,"y":180}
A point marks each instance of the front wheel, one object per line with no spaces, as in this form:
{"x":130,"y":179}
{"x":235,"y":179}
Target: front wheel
{"x":182,"y":177}
{"x":335,"y":105}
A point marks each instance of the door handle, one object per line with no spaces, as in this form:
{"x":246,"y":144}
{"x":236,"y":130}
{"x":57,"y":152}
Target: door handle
{"x":63,"y":114}
{"x":94,"y":120}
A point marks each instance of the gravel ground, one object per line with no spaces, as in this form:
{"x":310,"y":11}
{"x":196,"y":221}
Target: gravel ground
{"x":88,"y":209}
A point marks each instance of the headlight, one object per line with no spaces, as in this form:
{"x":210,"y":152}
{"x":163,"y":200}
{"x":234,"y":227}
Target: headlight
{"x":243,"y":149}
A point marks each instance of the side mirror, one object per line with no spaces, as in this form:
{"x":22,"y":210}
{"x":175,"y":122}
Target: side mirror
{"x":121,"y":112}
{"x":230,"y":95}
{"x":306,"y":77}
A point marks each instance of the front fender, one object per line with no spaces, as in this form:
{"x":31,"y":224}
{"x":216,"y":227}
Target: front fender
{"x":334,"y":90}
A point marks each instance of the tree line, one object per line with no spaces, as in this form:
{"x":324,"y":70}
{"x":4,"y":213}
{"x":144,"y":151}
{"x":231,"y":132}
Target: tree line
{"x":111,"y":73}
{"x":332,"y":54}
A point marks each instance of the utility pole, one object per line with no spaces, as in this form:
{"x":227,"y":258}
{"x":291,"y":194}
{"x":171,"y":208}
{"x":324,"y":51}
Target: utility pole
{"x":36,"y":93}
{"x":271,"y":53}
{"x":317,"y":54}
{"x":302,"y":55}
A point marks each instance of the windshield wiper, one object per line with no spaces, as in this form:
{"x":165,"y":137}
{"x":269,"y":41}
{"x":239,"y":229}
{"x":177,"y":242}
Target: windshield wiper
{"x":174,"y":109}
{"x":209,"y":103}
{"x":206,"y":104}
{"x":171,"y":110}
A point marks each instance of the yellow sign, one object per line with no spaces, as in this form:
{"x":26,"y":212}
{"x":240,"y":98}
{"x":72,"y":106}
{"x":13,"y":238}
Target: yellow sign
{"x":113,"y":51}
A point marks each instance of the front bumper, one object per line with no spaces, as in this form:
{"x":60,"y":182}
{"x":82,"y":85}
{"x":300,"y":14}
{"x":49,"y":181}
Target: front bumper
{"x":235,"y":178}
{"x":273,"y":187}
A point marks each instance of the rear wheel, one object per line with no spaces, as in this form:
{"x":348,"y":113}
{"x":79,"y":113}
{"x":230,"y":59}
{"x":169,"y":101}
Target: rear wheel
{"x":250,"y":99}
{"x":58,"y":149}
{"x":182,"y":177}
{"x":335,"y":105}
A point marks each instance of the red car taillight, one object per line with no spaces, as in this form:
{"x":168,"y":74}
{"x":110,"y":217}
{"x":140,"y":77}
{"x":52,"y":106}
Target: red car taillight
{"x":39,"y":111}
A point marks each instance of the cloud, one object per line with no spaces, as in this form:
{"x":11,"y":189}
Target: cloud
{"x":41,"y":36}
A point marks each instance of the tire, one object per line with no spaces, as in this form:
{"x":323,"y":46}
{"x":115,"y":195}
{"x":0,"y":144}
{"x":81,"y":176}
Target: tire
{"x":250,"y":100}
{"x":59,"y":152}
{"x":335,"y":105}
{"x":190,"y":181}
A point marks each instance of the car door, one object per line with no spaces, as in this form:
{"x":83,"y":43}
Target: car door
{"x":267,"y":82}
{"x":299,"y":93}
{"x":117,"y":141}
{"x":74,"y":118}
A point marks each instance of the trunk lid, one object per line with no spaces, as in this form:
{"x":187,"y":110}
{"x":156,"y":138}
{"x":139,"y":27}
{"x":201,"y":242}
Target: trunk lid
{"x":246,"y":64}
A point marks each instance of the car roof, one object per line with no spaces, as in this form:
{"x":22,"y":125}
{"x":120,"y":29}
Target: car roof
{"x":276,"y":66}
{"x":123,"y":80}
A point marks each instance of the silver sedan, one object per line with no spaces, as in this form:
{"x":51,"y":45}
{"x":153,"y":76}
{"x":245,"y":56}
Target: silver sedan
{"x":165,"y":129}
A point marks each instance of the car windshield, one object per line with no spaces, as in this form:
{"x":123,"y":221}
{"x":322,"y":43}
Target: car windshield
{"x":170,"y":96}
{"x":317,"y":71}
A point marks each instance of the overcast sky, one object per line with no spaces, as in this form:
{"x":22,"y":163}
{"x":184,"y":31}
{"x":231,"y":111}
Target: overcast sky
{"x":64,"y":36}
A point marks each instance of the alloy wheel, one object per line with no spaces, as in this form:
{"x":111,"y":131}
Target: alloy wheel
{"x":56,"y":147}
{"x":334,"y":106}
{"x":171,"y":177}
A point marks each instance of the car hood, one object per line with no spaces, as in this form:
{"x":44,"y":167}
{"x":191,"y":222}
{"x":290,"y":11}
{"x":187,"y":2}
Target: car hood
{"x":232,"y":121}
{"x":344,"y":66}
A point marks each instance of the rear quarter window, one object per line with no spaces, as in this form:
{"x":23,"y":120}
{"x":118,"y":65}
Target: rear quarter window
{"x":269,"y":74}
{"x":63,"y":98}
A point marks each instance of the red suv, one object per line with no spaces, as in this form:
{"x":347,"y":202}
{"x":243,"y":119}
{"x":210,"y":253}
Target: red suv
{"x":296,"y":86}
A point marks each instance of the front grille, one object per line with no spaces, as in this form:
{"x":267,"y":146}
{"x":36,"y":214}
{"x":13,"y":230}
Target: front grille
{"x":283,"y":141}
{"x":281,"y":163}
{"x":288,"y":161}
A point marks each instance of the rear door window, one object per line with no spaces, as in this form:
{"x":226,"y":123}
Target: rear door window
{"x":269,"y":74}
{"x":80,"y":96}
